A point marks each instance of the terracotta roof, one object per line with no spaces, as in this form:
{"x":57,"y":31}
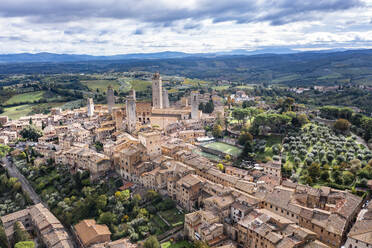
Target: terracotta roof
{"x":88,"y":230}
{"x":362,"y":231}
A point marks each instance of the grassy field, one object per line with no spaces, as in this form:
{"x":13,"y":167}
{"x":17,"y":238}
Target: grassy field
{"x":140,"y":85}
{"x":101,"y":85}
{"x":223,"y":147}
{"x":221,"y":87}
{"x":173,"y":216}
{"x":25,"y":97}
{"x":207,"y":155}
{"x":159,"y":224}
{"x":243,"y":87}
{"x":180,"y":244}
{"x":17,"y":111}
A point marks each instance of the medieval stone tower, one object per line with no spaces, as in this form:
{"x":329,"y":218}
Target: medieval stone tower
{"x":157,"y":91}
{"x":118,"y":117}
{"x":131,"y":112}
{"x":165,"y":98}
{"x":194,"y":105}
{"x":110,"y":98}
{"x":90,"y":107}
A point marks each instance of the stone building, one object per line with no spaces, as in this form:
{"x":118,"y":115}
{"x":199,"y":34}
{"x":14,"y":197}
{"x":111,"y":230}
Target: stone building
{"x":89,"y":233}
{"x":195,"y":105}
{"x":188,"y":189}
{"x":39,"y":219}
{"x":131,"y":114}
{"x":360,"y":235}
{"x":90,"y":107}
{"x":118,"y":117}
{"x":110,"y":98}
{"x":165,"y":98}
{"x":262,"y":228}
{"x":3,"y":120}
{"x":157,"y":91}
{"x":143,"y":112}
{"x":80,"y":158}
{"x":205,"y":226}
{"x":327,"y":212}
{"x":151,"y":141}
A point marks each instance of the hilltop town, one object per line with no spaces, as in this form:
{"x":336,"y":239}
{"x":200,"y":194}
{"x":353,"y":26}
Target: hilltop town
{"x":204,"y":171}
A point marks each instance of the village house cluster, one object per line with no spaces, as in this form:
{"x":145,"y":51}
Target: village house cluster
{"x":153,"y":144}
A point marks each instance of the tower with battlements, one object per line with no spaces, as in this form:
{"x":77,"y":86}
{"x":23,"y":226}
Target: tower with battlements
{"x":110,"y":98}
{"x":90,"y":107}
{"x":157,"y":91}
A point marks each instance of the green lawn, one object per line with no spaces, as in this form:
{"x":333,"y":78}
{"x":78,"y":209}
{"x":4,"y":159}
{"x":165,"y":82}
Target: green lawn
{"x":221,"y":87}
{"x":17,"y":111}
{"x":140,"y":85}
{"x":223,"y":147}
{"x":173,"y":216}
{"x":242,"y":87}
{"x":159,"y":224}
{"x":101,"y":85}
{"x":180,"y":244}
{"x":25,"y":97}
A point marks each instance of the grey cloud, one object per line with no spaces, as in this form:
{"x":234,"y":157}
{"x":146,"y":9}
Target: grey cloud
{"x":12,"y":38}
{"x":241,"y":11}
{"x":75,"y":30}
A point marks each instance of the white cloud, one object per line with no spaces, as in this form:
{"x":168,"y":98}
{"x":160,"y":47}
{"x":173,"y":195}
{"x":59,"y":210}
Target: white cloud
{"x":189,"y":26}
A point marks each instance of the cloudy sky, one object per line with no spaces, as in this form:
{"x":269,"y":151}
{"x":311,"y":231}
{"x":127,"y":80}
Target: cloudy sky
{"x":105,"y":27}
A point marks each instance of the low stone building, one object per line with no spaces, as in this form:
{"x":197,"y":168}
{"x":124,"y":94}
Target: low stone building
{"x":360,"y":235}
{"x":40,"y":220}
{"x":188,"y":189}
{"x":80,"y":158}
{"x":205,"y":226}
{"x":89,"y":233}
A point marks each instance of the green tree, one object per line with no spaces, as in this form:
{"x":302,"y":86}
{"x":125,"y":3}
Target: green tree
{"x":3,"y":238}
{"x":209,"y":107}
{"x":348,"y":177}
{"x":99,"y":146}
{"x":4,"y":150}
{"x":151,"y":242}
{"x":19,"y":233}
{"x":324,"y":175}
{"x":244,"y":138}
{"x":101,"y":202}
{"x":217,"y":131}
{"x":342,"y":125}
{"x":122,"y":195}
{"x":25,"y":244}
{"x":107,"y":218}
{"x":314,"y":171}
{"x":31,"y":133}
{"x":200,"y":244}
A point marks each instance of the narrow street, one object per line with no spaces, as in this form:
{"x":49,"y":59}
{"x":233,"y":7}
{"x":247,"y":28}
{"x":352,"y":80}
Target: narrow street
{"x":14,"y":172}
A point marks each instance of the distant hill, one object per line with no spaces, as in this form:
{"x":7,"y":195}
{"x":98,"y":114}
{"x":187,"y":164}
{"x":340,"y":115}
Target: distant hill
{"x":291,"y":68}
{"x":53,"y":57}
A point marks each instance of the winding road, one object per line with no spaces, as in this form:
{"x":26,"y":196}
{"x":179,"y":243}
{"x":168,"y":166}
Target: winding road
{"x":26,"y":186}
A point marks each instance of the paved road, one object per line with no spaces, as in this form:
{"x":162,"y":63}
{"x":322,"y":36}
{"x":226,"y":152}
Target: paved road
{"x":14,"y":172}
